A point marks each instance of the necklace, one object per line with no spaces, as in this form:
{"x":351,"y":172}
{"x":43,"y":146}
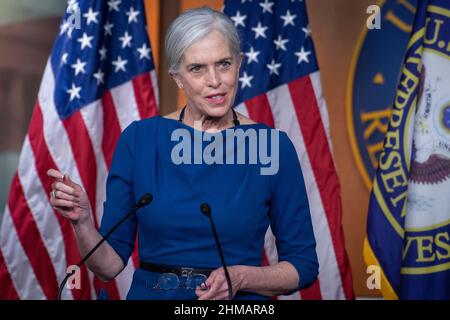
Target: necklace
{"x":236,"y":122}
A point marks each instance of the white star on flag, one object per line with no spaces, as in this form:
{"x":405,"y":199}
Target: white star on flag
{"x":85,"y":41}
{"x":252,"y":55}
{"x":302,"y":55}
{"x":91,"y":16}
{"x":114,"y":5}
{"x":72,"y":6}
{"x":280,"y":43}
{"x":64,"y":58}
{"x":307,"y":31}
{"x":102,"y":52}
{"x":267,"y":6}
{"x":64,"y":27}
{"x":79,"y":66}
{"x":119,"y":64}
{"x":74,"y":92}
{"x":238,"y":19}
{"x":69,"y":32}
{"x":246,"y":79}
{"x":132,"y":15}
{"x":144,"y":52}
{"x":108,"y":28}
{"x":126,"y":40}
{"x":273,"y":67}
{"x":259,"y":31}
{"x":288,"y":19}
{"x":99,"y":75}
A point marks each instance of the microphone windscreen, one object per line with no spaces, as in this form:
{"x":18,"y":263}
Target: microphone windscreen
{"x":146,"y":199}
{"x":205,"y":209}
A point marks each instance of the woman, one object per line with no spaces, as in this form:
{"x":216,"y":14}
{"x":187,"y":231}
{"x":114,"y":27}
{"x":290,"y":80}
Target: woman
{"x":203,"y":49}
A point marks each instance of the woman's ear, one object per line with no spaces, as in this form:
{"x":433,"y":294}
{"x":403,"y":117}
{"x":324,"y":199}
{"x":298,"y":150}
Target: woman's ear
{"x":176,"y":79}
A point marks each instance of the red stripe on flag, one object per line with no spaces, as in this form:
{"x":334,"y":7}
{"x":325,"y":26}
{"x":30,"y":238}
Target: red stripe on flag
{"x":31,"y":241}
{"x":43,"y":162}
{"x":315,"y":138}
{"x":135,"y":254}
{"x":265,"y":260}
{"x":111,"y":128}
{"x":8,"y":291}
{"x":259,"y":110}
{"x":110,"y":287}
{"x":144,"y":93}
{"x":84,"y":156}
{"x":83,"y":152}
{"x":313,"y":292}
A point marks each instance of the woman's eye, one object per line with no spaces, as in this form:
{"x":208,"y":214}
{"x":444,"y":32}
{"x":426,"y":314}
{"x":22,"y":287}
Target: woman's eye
{"x":195,"y":69}
{"x":226,"y":64}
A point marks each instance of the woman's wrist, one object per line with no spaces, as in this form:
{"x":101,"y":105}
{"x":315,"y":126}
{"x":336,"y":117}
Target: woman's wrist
{"x":240,"y":275}
{"x":83,"y":224}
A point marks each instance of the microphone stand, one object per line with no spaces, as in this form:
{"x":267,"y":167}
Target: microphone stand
{"x":206,"y":210}
{"x":145,"y":200}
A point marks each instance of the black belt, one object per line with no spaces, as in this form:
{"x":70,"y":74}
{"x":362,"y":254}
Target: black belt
{"x":181,"y":271}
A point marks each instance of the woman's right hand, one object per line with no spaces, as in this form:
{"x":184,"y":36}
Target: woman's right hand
{"x":68,"y":198}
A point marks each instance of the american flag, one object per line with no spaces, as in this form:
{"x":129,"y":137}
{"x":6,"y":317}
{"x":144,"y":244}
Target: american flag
{"x":99,"y":78}
{"x":279,"y":85}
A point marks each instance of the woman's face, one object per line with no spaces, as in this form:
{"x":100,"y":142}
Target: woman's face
{"x":208,"y":74}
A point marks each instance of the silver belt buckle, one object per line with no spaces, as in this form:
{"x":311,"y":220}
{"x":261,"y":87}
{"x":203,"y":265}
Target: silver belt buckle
{"x":186,"y":272}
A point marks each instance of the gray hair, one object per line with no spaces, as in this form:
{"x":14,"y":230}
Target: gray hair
{"x":194,"y":24}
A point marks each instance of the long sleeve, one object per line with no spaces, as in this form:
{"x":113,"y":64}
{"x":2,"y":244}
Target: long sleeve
{"x":290,"y":217}
{"x":120,"y":196}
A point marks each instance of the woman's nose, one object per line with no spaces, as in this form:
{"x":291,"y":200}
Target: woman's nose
{"x":213,"y":78}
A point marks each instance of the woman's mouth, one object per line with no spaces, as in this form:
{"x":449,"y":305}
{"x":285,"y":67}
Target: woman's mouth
{"x":218,"y":98}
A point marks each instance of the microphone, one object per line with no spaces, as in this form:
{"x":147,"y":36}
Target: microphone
{"x":143,"y":201}
{"x":206,"y":210}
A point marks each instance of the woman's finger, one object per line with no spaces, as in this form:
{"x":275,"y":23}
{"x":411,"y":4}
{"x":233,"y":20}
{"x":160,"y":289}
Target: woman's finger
{"x":53,"y":173}
{"x":213,"y":291}
{"x":60,"y":186}
{"x":201,"y":290}
{"x":64,"y":178}
{"x":64,"y":196}
{"x":62,"y":203}
{"x":212,"y":278}
{"x":70,"y":183}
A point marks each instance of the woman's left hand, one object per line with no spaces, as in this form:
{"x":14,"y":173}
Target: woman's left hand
{"x":216,"y":287}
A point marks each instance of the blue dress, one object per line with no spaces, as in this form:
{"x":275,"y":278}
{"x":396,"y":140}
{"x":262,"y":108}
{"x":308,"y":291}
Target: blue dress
{"x":172,"y":230}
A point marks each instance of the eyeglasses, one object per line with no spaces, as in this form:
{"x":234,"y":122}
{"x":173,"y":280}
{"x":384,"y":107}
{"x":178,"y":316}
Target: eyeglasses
{"x":187,"y":280}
